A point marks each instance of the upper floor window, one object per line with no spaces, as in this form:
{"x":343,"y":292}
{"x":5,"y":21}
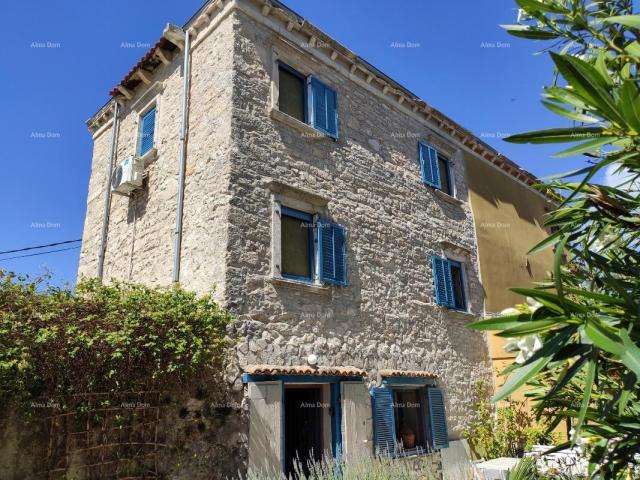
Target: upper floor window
{"x":305,"y":239}
{"x":444,"y":169}
{"x":296,"y":234}
{"x":146,"y":131}
{"x":308,"y":100}
{"x":293,"y":92}
{"x":448,"y":279}
{"x":435,"y":168}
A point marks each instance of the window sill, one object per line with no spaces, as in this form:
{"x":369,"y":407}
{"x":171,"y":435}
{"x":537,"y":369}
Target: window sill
{"x":307,"y":130}
{"x":149,"y":156}
{"x":462,"y":313}
{"x":446,"y":197}
{"x":299,"y":285}
{"x":413,"y":453}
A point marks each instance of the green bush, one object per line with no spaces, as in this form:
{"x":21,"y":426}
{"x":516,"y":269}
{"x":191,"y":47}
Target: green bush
{"x":103,"y":338}
{"x":508,"y":432}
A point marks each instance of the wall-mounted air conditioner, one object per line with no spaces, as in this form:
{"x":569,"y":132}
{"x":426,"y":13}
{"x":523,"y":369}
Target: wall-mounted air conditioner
{"x":128,"y":175}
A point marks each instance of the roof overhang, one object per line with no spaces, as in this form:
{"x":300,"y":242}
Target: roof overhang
{"x":302,"y":372}
{"x":171,"y":40}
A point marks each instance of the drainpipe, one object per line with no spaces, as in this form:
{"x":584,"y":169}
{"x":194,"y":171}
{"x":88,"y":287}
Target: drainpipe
{"x":107,"y":193}
{"x":177,"y":241}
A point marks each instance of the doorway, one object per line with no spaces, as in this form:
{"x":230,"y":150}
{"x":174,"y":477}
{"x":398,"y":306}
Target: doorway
{"x":305,"y":411}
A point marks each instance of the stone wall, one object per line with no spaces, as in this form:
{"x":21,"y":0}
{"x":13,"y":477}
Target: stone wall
{"x":141,"y":227}
{"x":196,"y":434}
{"x":386,"y":317}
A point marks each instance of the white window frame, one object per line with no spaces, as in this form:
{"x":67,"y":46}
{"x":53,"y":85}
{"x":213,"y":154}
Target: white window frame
{"x":151,"y":154}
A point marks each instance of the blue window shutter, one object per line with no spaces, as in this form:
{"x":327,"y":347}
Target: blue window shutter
{"x":332,"y":112}
{"x":332,"y":251}
{"x":384,"y":428}
{"x":448,"y":281}
{"x":442,"y":282}
{"x":439,"y":280}
{"x":324,"y":105}
{"x":438,"y":418}
{"x":429,"y":165}
{"x":147,"y":127}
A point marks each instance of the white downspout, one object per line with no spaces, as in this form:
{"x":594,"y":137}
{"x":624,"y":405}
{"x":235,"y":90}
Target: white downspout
{"x":107,"y":193}
{"x":177,"y":241}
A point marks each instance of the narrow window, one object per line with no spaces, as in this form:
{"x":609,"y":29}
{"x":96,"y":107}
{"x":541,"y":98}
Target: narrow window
{"x":458,"y":286}
{"x":147,"y":130}
{"x":410,"y":417}
{"x":292,"y":92}
{"x":297,"y":244}
{"x":445,"y":175}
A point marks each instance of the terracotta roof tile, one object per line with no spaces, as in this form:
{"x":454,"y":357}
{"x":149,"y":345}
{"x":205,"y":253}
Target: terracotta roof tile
{"x":148,"y":63}
{"x":407,"y":373}
{"x":304,"y":370}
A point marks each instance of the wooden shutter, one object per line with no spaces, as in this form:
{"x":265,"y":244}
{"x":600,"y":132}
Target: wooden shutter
{"x":384,"y":428}
{"x":332,"y":251}
{"x":429,"y":165}
{"x":147,"y":127}
{"x":438,"y":418}
{"x":324,"y":105}
{"x":356,"y":420}
{"x":442,"y":281}
{"x":266,"y":443}
{"x":332,"y":112}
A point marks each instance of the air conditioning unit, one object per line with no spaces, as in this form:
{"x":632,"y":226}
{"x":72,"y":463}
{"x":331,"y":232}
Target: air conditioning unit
{"x":128,"y":175}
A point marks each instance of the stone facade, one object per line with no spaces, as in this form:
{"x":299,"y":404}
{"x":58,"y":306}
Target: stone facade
{"x":244,"y":158}
{"x":387,"y":316}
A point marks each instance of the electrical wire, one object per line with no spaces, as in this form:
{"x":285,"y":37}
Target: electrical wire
{"x":41,"y":246}
{"x":40,"y":253}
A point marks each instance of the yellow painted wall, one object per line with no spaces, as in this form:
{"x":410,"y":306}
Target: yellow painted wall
{"x":508,"y":219}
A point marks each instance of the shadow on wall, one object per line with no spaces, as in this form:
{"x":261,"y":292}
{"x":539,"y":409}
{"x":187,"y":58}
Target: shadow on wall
{"x":489,"y":184}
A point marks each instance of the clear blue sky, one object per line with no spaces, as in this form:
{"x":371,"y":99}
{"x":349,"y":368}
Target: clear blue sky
{"x":457,"y":59}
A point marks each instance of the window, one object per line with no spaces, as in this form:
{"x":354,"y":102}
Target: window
{"x":435,"y":168}
{"x":147,"y":129}
{"x":448,"y":279}
{"x":445,"y":174}
{"x":298,"y":248}
{"x":294,"y":92}
{"x":292,"y":95}
{"x":408,"y":420}
{"x":297,"y":244}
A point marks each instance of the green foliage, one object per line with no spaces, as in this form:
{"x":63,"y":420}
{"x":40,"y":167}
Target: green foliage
{"x":525,"y":469}
{"x":507,"y":432}
{"x":587,"y":316}
{"x":103,"y":338}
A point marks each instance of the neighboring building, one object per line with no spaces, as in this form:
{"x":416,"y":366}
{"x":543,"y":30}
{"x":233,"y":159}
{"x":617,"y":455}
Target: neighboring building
{"x":509,"y":218}
{"x":327,"y":206}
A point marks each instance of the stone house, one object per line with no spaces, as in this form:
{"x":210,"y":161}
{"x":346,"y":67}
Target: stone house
{"x":329,"y":208}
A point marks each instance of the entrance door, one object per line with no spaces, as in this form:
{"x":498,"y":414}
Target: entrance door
{"x":303,"y":419}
